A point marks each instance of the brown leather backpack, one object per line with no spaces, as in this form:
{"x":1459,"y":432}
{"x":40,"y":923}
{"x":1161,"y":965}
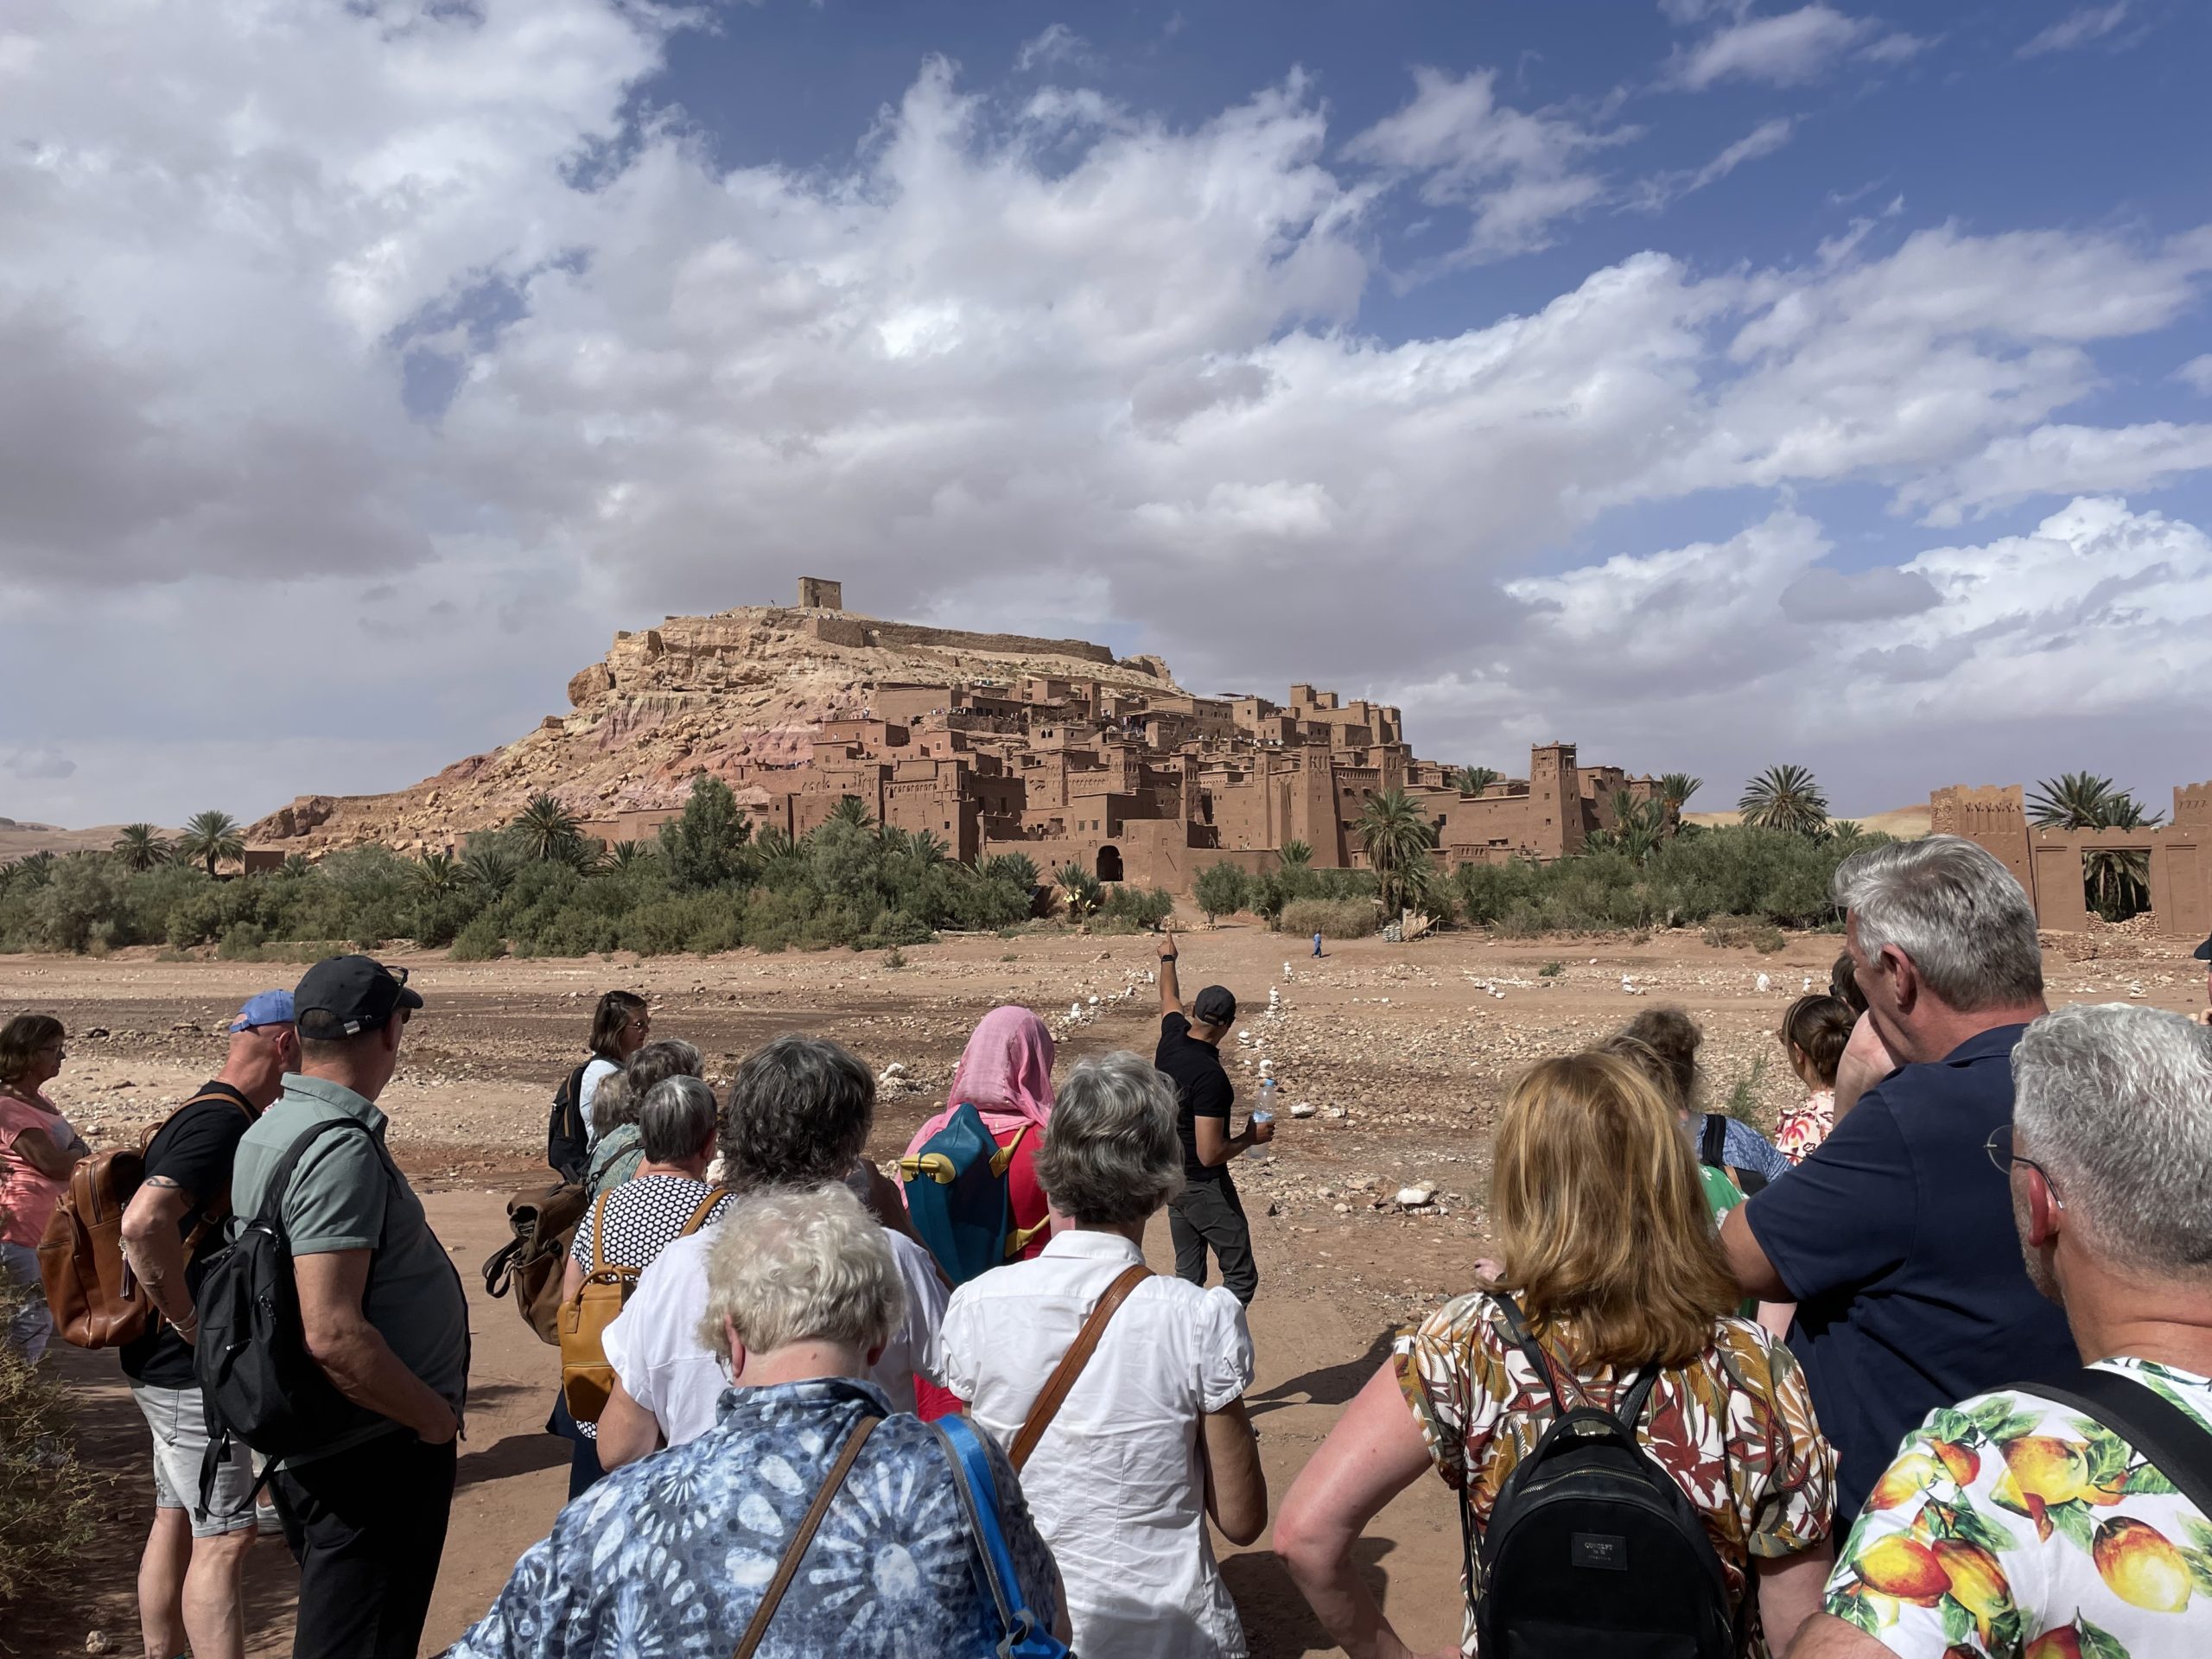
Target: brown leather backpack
{"x":544,"y":1221}
{"x":96,"y":1301}
{"x":587,"y":1379}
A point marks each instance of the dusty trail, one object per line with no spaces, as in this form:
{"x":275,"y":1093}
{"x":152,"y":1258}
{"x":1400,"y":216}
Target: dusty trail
{"x":1412,"y":1046}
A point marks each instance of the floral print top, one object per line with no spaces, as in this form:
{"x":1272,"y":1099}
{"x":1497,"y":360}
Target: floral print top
{"x":667,"y":1558}
{"x":1801,"y":1129}
{"x":1735,"y":1428}
{"x":2013,"y":1528}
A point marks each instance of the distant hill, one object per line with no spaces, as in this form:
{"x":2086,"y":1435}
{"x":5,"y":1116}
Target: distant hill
{"x":18,"y":838}
{"x":1905,"y":823}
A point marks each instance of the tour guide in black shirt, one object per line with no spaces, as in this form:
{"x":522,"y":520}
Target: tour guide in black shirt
{"x":1207,"y":1212}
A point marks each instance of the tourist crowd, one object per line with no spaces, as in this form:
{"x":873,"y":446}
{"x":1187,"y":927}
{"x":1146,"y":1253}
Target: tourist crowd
{"x":1929,"y":1374}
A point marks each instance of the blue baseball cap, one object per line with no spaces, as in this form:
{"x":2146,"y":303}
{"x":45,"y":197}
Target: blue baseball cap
{"x":264,"y":1008}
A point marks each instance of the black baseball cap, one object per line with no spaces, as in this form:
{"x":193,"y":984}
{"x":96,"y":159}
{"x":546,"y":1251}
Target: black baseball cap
{"x":1214,"y":1006}
{"x":341,"y":996}
{"x":2204,"y":952}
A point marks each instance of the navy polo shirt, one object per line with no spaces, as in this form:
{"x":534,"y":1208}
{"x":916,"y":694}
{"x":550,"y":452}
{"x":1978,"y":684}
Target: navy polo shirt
{"x":1896,"y":1237}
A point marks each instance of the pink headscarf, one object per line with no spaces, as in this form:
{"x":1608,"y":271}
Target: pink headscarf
{"x":1005,"y":1072}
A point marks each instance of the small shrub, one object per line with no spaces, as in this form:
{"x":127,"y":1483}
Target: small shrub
{"x":1551,"y":971}
{"x":480,"y":941}
{"x":1739,"y":932}
{"x":48,"y":1500}
{"x":894,"y":958}
{"x":1221,"y":890}
{"x":1334,"y":918}
{"x":1743,"y":1101}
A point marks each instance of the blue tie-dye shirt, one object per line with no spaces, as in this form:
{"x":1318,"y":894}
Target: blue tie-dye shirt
{"x":667,"y":1559}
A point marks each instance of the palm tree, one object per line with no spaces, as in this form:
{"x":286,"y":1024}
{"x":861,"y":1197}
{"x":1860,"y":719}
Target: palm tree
{"x":1082,"y":888}
{"x":1295,"y":854}
{"x":1395,"y":835}
{"x":1639,"y":828}
{"x":774,"y":844}
{"x":850,"y":809}
{"x":1675,"y":789}
{"x":140,"y":847}
{"x":35,"y":869}
{"x":210,"y":838}
{"x":436,"y":873}
{"x":490,"y":870}
{"x":1844,"y":830}
{"x":1784,"y":797}
{"x":2115,"y":879}
{"x":295,"y":866}
{"x":1014,"y":869}
{"x":894,"y":840}
{"x":925,"y":849}
{"x":625,"y":856}
{"x":1473,"y":781}
{"x":547,"y":830}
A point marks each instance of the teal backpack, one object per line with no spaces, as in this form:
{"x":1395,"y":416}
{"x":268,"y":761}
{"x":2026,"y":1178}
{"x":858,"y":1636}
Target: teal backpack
{"x":958,"y":1199}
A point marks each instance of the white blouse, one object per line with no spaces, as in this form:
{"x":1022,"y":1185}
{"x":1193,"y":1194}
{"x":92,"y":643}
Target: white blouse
{"x":1116,"y":1485}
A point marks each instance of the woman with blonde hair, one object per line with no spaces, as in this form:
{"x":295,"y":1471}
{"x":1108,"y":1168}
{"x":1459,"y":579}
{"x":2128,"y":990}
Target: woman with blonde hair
{"x":1608,"y":1271}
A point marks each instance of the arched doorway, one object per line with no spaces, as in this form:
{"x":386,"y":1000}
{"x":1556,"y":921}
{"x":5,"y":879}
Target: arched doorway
{"x":1109,"y":864}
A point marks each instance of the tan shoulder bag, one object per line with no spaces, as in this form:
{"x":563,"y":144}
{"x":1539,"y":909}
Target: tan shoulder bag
{"x":587,"y":1380}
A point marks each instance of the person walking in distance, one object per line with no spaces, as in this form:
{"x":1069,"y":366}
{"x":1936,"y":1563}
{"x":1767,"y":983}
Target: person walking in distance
{"x":2204,"y":954}
{"x":381,"y":1312}
{"x":190,"y":1577}
{"x":1207,"y":1212}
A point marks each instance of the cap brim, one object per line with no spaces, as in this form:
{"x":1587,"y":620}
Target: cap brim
{"x":409,"y":998}
{"x":2204,"y":952}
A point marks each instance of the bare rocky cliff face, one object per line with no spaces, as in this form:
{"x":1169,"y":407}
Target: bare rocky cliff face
{"x":697,"y":694}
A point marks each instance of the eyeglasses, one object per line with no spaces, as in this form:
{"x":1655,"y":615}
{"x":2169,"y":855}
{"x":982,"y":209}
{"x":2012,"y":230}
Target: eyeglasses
{"x":399,"y":973}
{"x":1999,"y":1148}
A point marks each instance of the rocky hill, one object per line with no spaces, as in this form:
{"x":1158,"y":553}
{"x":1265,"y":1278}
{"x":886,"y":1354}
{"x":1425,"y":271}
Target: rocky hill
{"x":696,"y":694}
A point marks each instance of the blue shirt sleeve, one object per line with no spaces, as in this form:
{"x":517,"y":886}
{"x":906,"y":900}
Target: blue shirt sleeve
{"x":1745,"y":1147}
{"x":1848,"y":1214}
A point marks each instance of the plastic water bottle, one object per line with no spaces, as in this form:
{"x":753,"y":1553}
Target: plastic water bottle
{"x":1264,"y":1113}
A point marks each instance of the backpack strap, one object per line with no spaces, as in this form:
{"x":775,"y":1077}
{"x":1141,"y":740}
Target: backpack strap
{"x":1048,"y":1403}
{"x":1712,"y":1141}
{"x":2175,"y":1443}
{"x":978,"y":1491}
{"x":271,"y":1213}
{"x":1516,"y":1325}
{"x":756,"y":1629}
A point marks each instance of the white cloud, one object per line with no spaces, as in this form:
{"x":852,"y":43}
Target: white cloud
{"x":1786,"y":49}
{"x":1770,"y":136}
{"x":2076,"y":29}
{"x":1056,"y":45}
{"x":1013,"y":344}
{"x":2058,"y":459}
{"x":1517,"y":173}
{"x":2197,"y":372}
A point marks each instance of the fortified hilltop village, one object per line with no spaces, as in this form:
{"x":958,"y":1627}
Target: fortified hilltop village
{"x":1060,"y":750}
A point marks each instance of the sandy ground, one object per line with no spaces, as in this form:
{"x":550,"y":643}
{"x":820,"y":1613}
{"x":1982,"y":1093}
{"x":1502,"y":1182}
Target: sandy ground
{"x":1404,"y":1052}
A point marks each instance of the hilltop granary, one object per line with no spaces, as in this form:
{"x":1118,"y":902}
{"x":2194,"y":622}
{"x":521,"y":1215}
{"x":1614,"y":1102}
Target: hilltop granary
{"x":1135,"y":784}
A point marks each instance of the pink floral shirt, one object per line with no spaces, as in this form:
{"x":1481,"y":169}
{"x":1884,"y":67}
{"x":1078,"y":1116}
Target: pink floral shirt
{"x":1801,"y":1129}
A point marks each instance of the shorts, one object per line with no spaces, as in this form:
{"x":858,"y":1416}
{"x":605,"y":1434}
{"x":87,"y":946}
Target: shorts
{"x":179,"y":1424}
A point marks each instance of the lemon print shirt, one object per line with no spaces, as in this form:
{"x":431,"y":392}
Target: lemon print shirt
{"x":2014,"y":1526}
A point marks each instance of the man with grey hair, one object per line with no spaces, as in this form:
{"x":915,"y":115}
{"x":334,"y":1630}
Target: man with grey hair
{"x":1894,"y":1236}
{"x":675,"y":1556}
{"x":2017,"y":1521}
{"x":799,"y":1112}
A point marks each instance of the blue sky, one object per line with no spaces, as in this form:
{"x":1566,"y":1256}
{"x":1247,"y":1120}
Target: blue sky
{"x":1713,"y":383}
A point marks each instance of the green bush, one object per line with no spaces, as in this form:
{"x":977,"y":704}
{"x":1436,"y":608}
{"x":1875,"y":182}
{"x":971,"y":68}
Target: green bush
{"x":1334,"y":919}
{"x":480,"y":941}
{"x":1221,"y":890}
{"x":1138,"y":908}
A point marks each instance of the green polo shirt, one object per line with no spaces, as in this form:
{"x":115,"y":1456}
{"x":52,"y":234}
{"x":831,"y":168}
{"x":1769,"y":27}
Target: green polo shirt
{"x":346,"y":1195}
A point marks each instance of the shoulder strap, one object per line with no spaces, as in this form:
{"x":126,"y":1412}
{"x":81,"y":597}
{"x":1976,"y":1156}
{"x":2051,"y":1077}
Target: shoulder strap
{"x":1516,"y":1325}
{"x":1048,"y":1403}
{"x":978,"y":1490}
{"x":1712,"y":1142}
{"x":272,"y":1197}
{"x":756,"y":1629}
{"x":2175,"y":1444}
{"x":599,"y":1262}
{"x":706,"y":1208}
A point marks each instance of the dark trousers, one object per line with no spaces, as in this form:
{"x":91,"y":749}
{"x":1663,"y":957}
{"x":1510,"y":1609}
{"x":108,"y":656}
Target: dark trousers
{"x":368,"y":1526}
{"x":584,"y":1471}
{"x":1209,"y":1213}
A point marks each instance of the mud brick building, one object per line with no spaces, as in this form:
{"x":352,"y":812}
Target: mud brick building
{"x":2049,"y":862}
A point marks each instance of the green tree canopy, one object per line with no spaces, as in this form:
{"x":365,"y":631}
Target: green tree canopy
{"x":1785,"y":797}
{"x":707,"y":844}
{"x":211,"y":838}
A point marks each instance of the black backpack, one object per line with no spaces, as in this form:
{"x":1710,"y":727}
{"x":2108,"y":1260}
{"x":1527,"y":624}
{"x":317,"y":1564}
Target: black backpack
{"x":568,"y":1147}
{"x":260,"y":1387}
{"x":1592,"y":1550}
{"x":1712,"y":1151}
